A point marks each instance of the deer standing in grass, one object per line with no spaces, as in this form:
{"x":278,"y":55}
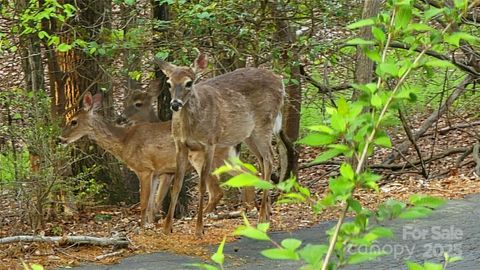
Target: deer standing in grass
{"x":146,"y":148}
{"x":239,"y":106}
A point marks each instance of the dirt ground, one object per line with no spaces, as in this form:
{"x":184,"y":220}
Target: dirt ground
{"x":447,"y":181}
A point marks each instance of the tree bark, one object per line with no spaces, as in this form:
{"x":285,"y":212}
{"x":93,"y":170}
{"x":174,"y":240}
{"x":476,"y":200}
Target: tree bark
{"x":289,"y":59}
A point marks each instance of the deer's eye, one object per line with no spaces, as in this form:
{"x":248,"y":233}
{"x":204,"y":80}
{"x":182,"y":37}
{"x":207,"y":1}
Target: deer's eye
{"x":138,"y":104}
{"x":73,"y":123}
{"x":188,"y":84}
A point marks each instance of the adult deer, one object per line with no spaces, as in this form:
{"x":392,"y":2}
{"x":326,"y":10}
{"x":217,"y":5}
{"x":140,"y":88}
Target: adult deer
{"x":239,"y":106}
{"x":139,"y":108}
{"x":146,"y":149}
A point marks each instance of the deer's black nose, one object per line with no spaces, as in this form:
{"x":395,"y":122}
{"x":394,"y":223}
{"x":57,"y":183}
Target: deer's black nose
{"x":175,"y":105}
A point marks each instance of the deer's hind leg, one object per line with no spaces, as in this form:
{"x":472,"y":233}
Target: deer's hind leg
{"x":260,"y":145}
{"x":215,"y":192}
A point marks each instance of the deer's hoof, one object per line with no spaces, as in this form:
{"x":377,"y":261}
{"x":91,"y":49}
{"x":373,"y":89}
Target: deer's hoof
{"x":167,"y":228}
{"x":199,"y":233}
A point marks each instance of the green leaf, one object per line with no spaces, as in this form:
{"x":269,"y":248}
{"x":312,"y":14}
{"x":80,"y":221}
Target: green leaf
{"x":378,"y":34}
{"x":355,"y":205}
{"x":340,"y":186}
{"x":251,"y":232}
{"x":383,"y":141}
{"x":387,"y":68}
{"x":162,"y":55}
{"x":374,"y":55}
{"x":263,"y":226}
{"x":342,"y":106}
{"x":338,"y":122}
{"x":360,"y":257}
{"x":291,"y":243}
{"x":63,"y":47}
{"x":439,"y":63}
{"x":313,"y":254}
{"x":248,"y":180}
{"x":322,"y":128}
{"x":433,"y":11}
{"x":361,"y":23}
{"x":280,"y":254}
{"x":414,"y":266}
{"x":461,"y":4}
{"x":454,"y":39}
{"x":327,"y":155}
{"x":218,"y":256}
{"x":454,"y":259}
{"x":426,"y":201}
{"x":346,"y":171}
{"x":419,"y":27}
{"x":415,"y":212}
{"x":359,"y":41}
{"x":376,"y":101}
{"x":318,"y":139}
{"x":404,"y":15}
{"x":129,"y":2}
{"x":35,"y":266}
{"x":203,"y":266}
{"x":382,"y":232}
{"x":432,"y":266}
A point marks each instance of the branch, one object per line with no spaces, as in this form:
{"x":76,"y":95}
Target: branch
{"x":440,"y":56}
{"x":99,"y":241}
{"x":460,"y":89}
{"x":412,"y":140}
{"x":417,"y":162}
{"x":322,"y":88}
{"x":445,"y":130}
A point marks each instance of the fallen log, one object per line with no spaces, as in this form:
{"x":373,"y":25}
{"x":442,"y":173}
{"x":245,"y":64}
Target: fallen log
{"x":62,"y":240}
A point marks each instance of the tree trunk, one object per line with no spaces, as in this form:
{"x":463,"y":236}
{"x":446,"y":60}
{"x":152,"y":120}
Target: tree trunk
{"x":72,"y":73}
{"x":161,"y":13}
{"x":364,"y":66}
{"x":286,"y":39}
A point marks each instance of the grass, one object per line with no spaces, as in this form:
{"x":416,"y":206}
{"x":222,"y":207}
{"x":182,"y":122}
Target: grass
{"x":8,"y":162}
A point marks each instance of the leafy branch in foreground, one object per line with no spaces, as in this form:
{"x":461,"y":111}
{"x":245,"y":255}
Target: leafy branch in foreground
{"x":356,"y":128}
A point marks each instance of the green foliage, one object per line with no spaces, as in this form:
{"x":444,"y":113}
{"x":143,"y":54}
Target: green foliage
{"x":352,"y":130}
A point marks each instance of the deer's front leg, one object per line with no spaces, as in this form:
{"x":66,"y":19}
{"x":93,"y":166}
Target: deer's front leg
{"x":181,"y":160}
{"x":206,"y":171}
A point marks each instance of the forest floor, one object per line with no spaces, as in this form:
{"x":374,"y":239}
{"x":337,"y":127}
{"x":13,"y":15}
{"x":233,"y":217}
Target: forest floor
{"x":446,"y":181}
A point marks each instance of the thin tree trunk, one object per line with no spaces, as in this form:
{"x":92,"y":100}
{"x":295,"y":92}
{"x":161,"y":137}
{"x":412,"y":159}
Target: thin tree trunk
{"x":286,"y":39}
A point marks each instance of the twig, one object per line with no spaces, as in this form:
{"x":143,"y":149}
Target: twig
{"x":99,"y":241}
{"x":427,"y":160}
{"x":411,"y":138}
{"x":111,"y":254}
{"x":460,"y":89}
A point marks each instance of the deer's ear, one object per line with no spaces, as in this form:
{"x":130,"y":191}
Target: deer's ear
{"x":200,"y":63}
{"x":97,"y":101}
{"x":87,"y":101}
{"x":166,"y":67}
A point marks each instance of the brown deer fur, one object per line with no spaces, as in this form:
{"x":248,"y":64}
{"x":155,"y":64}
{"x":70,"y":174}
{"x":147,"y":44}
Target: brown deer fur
{"x":240,"y":106}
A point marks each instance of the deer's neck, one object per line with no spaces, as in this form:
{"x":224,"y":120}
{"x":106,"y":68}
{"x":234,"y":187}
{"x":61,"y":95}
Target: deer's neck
{"x":109,"y":136}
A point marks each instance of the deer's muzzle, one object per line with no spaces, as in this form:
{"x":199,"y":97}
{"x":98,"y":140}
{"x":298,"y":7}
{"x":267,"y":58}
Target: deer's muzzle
{"x":176,"y":104}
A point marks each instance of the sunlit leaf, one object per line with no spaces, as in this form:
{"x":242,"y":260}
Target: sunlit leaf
{"x":280,"y":254}
{"x":361,"y":23}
